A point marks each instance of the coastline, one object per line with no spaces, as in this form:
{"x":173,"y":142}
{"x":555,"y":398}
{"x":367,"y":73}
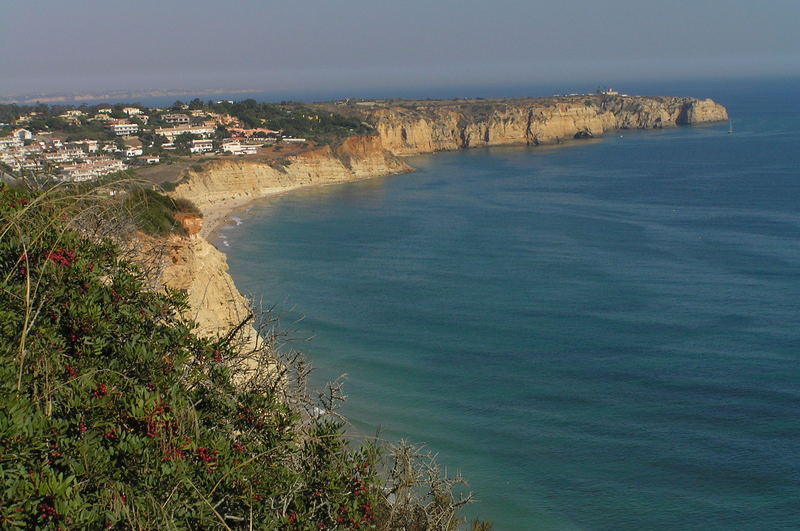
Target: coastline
{"x":413,"y":128}
{"x":226,"y":186}
{"x":219,"y":215}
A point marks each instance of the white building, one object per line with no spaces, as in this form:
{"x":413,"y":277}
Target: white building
{"x":235,"y":148}
{"x":124,"y":129}
{"x":133,"y":151}
{"x":110,"y":147}
{"x":22,"y":134}
{"x":131,"y":111}
{"x":175,"y":118}
{"x":172,"y":132}
{"x":8,"y":142}
{"x":201,"y":146}
{"x":65,"y":155}
{"x":89,"y":145}
{"x":90,"y":170}
{"x":50,"y":143}
{"x":10,"y":160}
{"x":148,"y":159}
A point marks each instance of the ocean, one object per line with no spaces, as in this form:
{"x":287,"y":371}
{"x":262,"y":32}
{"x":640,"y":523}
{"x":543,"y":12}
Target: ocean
{"x":602,"y":335}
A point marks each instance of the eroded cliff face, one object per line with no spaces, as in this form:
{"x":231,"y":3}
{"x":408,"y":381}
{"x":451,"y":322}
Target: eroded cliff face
{"x":421,"y":127}
{"x":245,"y":179}
{"x":191,"y":263}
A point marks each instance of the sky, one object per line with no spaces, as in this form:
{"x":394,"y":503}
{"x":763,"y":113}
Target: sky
{"x":57,"y":46}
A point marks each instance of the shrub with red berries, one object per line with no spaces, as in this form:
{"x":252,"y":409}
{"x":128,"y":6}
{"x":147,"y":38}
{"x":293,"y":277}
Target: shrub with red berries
{"x":116,"y":414}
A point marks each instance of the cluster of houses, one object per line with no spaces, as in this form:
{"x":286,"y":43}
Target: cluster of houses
{"x":73,"y":161}
{"x":83,"y":160}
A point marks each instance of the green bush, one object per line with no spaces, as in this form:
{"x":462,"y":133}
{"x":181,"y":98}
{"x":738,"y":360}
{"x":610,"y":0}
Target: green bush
{"x":154,"y":213}
{"x":186,"y":206}
{"x":114,"y":413}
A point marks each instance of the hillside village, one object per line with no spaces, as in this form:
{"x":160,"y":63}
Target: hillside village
{"x":81,"y":144}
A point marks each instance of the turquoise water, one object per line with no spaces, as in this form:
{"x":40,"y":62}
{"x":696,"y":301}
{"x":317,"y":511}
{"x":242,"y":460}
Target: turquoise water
{"x":599,"y":336}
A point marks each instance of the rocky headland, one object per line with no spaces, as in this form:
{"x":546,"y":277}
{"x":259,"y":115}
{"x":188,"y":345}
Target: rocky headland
{"x":413,"y":127}
{"x":402,"y":128}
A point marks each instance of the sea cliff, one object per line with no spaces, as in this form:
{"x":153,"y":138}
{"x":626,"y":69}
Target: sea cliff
{"x":410,"y":127}
{"x":403,"y":128}
{"x":224,"y":184}
{"x":195,"y":265}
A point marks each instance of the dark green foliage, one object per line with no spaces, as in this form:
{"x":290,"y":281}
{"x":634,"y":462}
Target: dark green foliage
{"x":114,"y":413}
{"x":88,"y":131}
{"x":294,"y":119}
{"x":168,"y":186}
{"x":186,"y":206}
{"x":183,"y":142}
{"x":154,"y":212}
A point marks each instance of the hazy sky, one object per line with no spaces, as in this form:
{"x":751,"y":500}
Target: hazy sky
{"x":62,"y":46}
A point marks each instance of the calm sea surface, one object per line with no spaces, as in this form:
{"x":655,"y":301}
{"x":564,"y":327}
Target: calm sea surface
{"x":599,"y":336}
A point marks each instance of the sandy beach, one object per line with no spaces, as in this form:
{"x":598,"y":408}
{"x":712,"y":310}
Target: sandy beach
{"x":220,"y":214}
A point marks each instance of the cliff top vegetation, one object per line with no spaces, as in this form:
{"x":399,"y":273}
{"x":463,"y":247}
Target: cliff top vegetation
{"x":291,"y":118}
{"x":114,"y":413}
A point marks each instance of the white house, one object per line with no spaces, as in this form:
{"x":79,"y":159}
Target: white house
{"x":21,"y":134}
{"x":235,"y":148}
{"x":90,"y":170}
{"x":65,"y":155}
{"x":133,"y":151}
{"x":201,"y":146}
{"x":123,"y":129}
{"x":131,"y":111}
{"x":175,"y":118}
{"x":148,"y":159}
{"x":8,"y":142}
{"x":172,"y":132}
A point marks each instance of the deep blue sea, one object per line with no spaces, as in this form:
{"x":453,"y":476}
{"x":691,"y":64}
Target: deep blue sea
{"x":604,"y":335}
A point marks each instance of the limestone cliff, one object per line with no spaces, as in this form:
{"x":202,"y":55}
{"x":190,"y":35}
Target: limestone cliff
{"x":190,"y":263}
{"x":238,"y":180}
{"x":408,"y":128}
{"x":193,"y":264}
{"x":403,"y":129}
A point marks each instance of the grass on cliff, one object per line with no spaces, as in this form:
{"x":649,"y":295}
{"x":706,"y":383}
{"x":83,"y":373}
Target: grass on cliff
{"x":155,"y":213}
{"x":114,"y":413}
